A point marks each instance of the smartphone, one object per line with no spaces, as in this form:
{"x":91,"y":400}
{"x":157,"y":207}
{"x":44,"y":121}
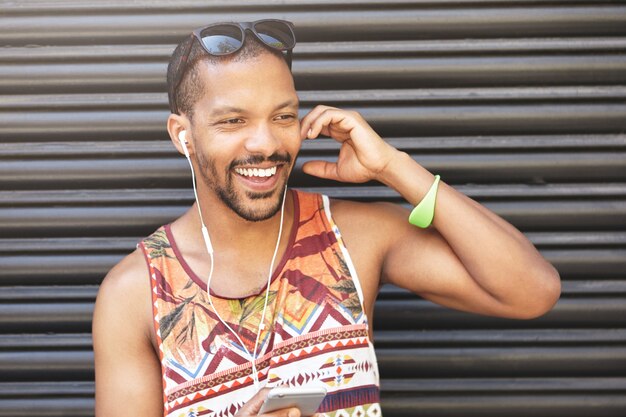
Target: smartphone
{"x":307,"y":399}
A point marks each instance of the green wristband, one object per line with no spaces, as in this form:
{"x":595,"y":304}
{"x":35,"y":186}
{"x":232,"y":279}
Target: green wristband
{"x":422,"y":215}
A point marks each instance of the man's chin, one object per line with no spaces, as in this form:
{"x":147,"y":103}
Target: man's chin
{"x":259,"y":215}
{"x":260,"y":206}
{"x":260,"y":196}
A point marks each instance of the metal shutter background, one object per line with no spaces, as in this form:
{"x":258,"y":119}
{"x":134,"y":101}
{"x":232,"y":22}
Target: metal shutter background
{"x":520,"y":104}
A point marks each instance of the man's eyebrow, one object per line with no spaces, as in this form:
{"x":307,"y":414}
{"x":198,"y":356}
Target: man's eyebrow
{"x":224,"y":110}
{"x":289,"y":103}
{"x":231,"y":109}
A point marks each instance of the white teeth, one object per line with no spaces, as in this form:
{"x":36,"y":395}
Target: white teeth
{"x":256,"y":172}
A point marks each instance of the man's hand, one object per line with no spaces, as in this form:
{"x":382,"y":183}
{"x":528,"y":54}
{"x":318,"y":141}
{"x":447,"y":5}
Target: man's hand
{"x":363,"y":154}
{"x":253,"y":406}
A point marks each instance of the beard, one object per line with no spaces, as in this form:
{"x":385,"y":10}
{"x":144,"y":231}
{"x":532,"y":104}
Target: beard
{"x":235,"y":201}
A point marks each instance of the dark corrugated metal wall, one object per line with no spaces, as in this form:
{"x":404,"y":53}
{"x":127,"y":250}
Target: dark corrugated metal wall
{"x":520,"y":104}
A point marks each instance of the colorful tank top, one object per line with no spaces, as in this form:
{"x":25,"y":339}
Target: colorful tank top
{"x":315,"y":334}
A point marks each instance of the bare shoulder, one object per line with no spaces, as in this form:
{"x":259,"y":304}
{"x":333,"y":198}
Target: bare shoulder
{"x":369,"y":230}
{"x":124,"y":296}
{"x":129,"y":276}
{"x":383,"y":220}
{"x":130,"y":265}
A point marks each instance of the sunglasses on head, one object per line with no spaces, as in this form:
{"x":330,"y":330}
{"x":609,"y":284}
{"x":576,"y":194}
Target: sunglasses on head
{"x":220,"y":39}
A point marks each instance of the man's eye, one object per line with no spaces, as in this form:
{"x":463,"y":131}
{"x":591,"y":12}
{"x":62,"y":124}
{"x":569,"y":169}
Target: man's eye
{"x":285,"y":117}
{"x":234,"y":120}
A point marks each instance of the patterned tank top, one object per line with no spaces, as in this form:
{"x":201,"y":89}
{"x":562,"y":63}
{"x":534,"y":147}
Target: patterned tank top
{"x":315,"y":334}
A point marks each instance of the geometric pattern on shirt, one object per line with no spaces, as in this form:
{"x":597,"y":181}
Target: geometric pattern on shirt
{"x":314,"y":326}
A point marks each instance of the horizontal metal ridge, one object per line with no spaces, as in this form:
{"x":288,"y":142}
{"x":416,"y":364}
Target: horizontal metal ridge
{"x":601,"y":267}
{"x":54,"y":399}
{"x":78,"y":245}
{"x":427,"y":362}
{"x":499,"y":338}
{"x":42,"y":389}
{"x":184,"y":196}
{"x":382,"y":339}
{"x":164,"y":148}
{"x":133,"y":220}
{"x":486,"y":405}
{"x":546,"y":385}
{"x":50,"y":406}
{"x":306,"y":50}
{"x":82,"y":245}
{"x":315,"y":23}
{"x":389,"y":385}
{"x":50,"y":54}
{"x":489,"y":192}
{"x":497,"y":362}
{"x":51,"y":341}
{"x":598,"y":286}
{"x":454,"y":167}
{"x":43,"y":293}
{"x":521,"y":405}
{"x":29,"y":294}
{"x":574,"y":312}
{"x":40,"y":6}
{"x":608,"y":311}
{"x":64,"y":363}
{"x":42,"y":316}
{"x":389,"y":119}
{"x":69,"y":76}
{"x":434,"y":96}
{"x":508,"y":94}
{"x":444,"y":47}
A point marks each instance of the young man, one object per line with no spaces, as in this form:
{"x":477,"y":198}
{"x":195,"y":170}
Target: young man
{"x":257,"y":286}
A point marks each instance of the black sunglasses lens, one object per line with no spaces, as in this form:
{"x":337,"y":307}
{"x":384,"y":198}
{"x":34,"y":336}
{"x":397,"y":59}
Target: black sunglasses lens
{"x":275,"y":34}
{"x":222,"y":39}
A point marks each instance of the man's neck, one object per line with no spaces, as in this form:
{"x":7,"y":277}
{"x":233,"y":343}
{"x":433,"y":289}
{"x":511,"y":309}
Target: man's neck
{"x":230,"y":231}
{"x":243,"y":250}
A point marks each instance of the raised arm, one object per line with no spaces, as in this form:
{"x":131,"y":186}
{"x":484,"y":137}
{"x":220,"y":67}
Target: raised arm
{"x":469,"y":258}
{"x":128,"y":375}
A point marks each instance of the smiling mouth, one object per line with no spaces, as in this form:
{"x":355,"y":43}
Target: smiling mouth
{"x":257,"y":172}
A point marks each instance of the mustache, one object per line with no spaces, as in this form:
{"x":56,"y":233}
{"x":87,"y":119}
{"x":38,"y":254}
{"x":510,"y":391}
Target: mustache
{"x":258,"y":159}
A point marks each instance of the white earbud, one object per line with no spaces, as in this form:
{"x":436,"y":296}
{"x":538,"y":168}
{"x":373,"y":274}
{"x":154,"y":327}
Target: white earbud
{"x":183,"y":142}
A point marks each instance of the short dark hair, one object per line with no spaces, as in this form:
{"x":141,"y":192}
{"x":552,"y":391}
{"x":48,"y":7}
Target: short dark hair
{"x":190,"y":89}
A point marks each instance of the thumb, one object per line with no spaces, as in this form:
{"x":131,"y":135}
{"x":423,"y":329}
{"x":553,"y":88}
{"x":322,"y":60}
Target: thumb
{"x":321,"y":169}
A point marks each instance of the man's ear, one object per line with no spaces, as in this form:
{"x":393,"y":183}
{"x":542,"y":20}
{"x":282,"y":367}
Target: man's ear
{"x":178,"y":127}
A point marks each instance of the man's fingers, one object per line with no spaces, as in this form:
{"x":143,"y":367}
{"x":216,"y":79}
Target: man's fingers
{"x":285,"y":412}
{"x":332,"y":122}
{"x":307,"y":121}
{"x":321,"y":169}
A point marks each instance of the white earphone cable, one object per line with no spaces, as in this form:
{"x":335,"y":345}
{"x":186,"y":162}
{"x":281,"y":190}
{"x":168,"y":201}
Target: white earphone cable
{"x":205,"y":233}
{"x":209,"y":246}
{"x":269,"y":275}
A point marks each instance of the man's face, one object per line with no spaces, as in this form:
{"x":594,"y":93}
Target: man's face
{"x":246,"y":133}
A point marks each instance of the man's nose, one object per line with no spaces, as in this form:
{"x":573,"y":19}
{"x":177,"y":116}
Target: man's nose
{"x":262,"y":140}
